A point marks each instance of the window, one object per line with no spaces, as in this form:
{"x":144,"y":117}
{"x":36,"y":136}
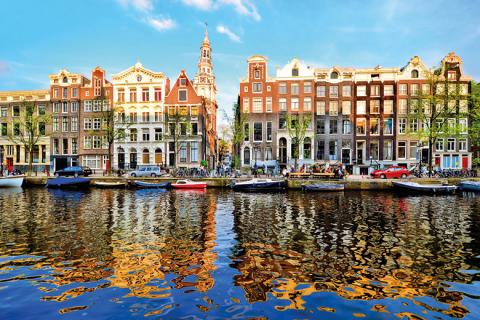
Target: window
{"x":246,"y":156}
{"x":74,"y":106}
{"x":387,"y":150}
{"x":361,"y":107}
{"x":402,"y":150}
{"x":16,"y":129}
{"x":282,"y":123}
{"x":87,"y":142}
{"x":145,"y":134}
{"x":375,"y":106}
{"x":133,"y":117}
{"x":464,"y":88}
{"x":65,"y":93}
{"x":183,"y":82}
{"x":334,"y":75}
{"x":388,"y":106}
{"x":333,"y":108}
{"x":257,"y":87}
{"x":133,"y":95}
{"x":294,"y":88}
{"x":16,"y":111}
{"x":64,"y":107}
{"x":97,"y":124}
{"x":403,"y":106}
{"x":414,"y":74}
{"x":333,"y":91}
{"x":361,"y":91}
{"x":403,"y":89}
{"x":121,"y":95}
{"x":450,"y":144}
{"x":320,"y":126}
{"x":194,"y":126}
{"x":268,"y":153}
{"x":257,"y":105}
{"x":182,"y":95}
{"x":332,"y":150}
{"x":413,"y":149}
{"x":55,"y":125}
{"x":269,"y":131}
{"x":87,"y":124}
{"x":4,"y":112}
{"x":374,"y":150}
{"x":133,"y":135}
{"x":268,"y":104}
{"x":295,"y":72}
{"x":347,"y":127}
{"x":320,"y":108}
{"x":87,"y":106}
{"x":361,"y":125}
{"x":463,"y":106}
{"x":463,"y":125}
{"x":145,"y":95}
{"x":256,"y":74}
{"x":413,"y":125}
{"x":346,"y":107}
{"x":307,"y":104}
{"x":388,"y":126}
{"x":282,"y":88}
{"x":183,"y":129}
{"x":74,"y":124}
{"x":194,"y":111}
{"x":320,"y":150}
{"x":55,"y":93}
{"x":374,"y":126}
{"x":246,"y":132}
{"x":439,"y":145}
{"x":346,"y":91}
{"x":65,"y":124}
{"x":414,"y":89}
{"x":375,"y":90}
{"x":333,"y":126}
{"x":4,"y":129}
{"x":388,"y":90}
{"x":321,"y":92}
{"x":462,"y":145}
{"x":425,"y":88}
{"x":97,"y":142}
{"x":307,"y":87}
{"x":402,"y":125}
{"x":194,"y":151}
{"x":145,"y":116}
{"x":294,"y":105}
{"x":74,"y":92}
{"x":452,"y":75}
{"x":257,"y":131}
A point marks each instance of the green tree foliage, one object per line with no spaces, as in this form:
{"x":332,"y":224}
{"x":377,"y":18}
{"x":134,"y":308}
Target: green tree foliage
{"x":297,"y":125}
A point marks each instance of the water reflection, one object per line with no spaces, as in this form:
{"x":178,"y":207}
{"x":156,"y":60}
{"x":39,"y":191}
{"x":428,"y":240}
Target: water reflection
{"x":151,"y":253}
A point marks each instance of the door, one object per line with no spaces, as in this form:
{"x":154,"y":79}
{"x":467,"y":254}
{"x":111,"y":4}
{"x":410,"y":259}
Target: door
{"x":465,"y":162}
{"x":133,"y":160}
{"x":360,"y":152}
{"x":121,"y":161}
{"x":9,"y":164}
{"x":61,"y":163}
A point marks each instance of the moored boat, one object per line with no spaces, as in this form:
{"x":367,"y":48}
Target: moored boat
{"x":63,"y":182}
{"x":152,"y":185}
{"x":110,"y":184}
{"x":11,"y":181}
{"x":189,"y":184}
{"x":259,"y":185}
{"x":473,"y":186}
{"x":323,"y":187}
{"x":407,"y":186}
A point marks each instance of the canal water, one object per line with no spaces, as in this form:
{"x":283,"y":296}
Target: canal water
{"x":123,"y":254}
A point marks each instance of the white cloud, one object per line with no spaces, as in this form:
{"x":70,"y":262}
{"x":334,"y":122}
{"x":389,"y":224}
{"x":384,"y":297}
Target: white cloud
{"x":140,"y":5}
{"x":244,"y":7}
{"x":224,"y":30}
{"x":199,"y":4}
{"x":161,"y":24}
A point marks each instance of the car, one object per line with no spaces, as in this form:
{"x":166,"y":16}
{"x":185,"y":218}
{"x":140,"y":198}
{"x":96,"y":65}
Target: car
{"x":391,"y":173}
{"x":74,"y":171}
{"x":147,"y":171}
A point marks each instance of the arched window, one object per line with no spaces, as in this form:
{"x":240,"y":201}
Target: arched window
{"x":414,"y":73}
{"x":246,"y":156}
{"x":283,"y":150}
{"x":65,"y":80}
{"x":146,"y":156}
{"x":307,"y":148}
{"x":158,"y":156}
{"x":334,"y":75}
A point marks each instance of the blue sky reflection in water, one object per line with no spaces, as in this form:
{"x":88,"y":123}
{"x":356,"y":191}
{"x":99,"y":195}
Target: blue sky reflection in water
{"x":116,"y":254}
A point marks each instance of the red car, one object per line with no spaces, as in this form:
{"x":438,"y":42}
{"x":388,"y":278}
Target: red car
{"x":391,"y":173}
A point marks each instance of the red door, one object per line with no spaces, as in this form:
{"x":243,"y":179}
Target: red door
{"x":465,"y":162}
{"x":9,"y":164}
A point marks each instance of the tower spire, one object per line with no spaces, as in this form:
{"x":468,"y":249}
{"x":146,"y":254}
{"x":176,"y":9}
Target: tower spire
{"x":205,"y":38}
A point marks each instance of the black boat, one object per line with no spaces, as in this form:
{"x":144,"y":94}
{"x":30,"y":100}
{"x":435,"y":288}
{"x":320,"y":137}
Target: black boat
{"x":323,"y":187}
{"x":259,"y":185}
{"x":472,"y":186}
{"x":152,"y":185}
{"x":423,"y":188}
{"x":63,"y":182}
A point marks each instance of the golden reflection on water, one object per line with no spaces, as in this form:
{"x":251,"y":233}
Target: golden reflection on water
{"x":289,"y":247}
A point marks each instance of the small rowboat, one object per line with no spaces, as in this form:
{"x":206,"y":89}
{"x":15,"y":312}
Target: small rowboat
{"x":152,"y":185}
{"x":423,"y":188}
{"x":469,"y":186}
{"x":11,"y":181}
{"x":189,"y":184}
{"x":259,"y":185}
{"x":64,"y":182}
{"x":323,"y":187}
{"x":110,"y":184}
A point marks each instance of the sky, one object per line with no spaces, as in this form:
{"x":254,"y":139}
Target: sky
{"x":41,"y":37}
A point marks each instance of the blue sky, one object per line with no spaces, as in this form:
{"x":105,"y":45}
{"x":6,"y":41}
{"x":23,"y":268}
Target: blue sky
{"x":41,"y":37}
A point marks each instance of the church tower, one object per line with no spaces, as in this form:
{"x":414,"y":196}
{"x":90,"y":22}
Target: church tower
{"x":204,"y":81}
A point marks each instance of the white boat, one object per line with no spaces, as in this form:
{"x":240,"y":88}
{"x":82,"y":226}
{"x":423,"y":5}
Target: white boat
{"x":110,"y":184}
{"x":11,"y":181}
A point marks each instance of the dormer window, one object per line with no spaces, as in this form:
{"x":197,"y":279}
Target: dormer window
{"x":65,"y":80}
{"x":452,"y":75}
{"x":183,"y":81}
{"x":295,"y":72}
{"x":334,"y":75}
{"x":414,"y":74}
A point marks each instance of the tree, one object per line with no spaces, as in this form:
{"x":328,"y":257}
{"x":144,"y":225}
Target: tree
{"x":432,"y":108}
{"x":29,"y":127}
{"x":297,"y":125}
{"x":179,"y":127}
{"x":237,"y":127}
{"x":474,"y":128}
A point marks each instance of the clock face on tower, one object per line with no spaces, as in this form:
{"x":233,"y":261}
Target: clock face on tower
{"x":139,"y":78}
